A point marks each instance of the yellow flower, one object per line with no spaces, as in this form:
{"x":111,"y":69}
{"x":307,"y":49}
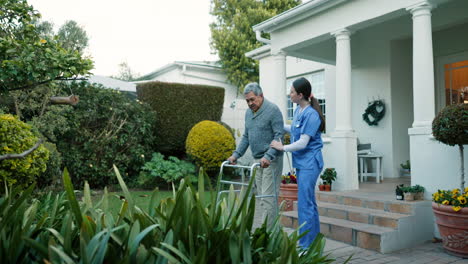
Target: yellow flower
{"x":456,"y":208}
{"x":466,"y":189}
{"x":462,"y":200}
{"x":455,"y":191}
{"x":445,"y":202}
{"x":43,"y":41}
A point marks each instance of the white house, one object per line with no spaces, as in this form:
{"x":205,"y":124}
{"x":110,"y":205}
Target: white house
{"x":206,"y":73}
{"x":113,"y":83}
{"x":412,"y":54}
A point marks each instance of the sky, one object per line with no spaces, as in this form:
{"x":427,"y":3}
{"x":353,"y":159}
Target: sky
{"x":147,"y":34}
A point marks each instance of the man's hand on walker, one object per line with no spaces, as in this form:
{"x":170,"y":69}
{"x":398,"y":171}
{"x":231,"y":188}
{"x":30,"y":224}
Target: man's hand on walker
{"x":232,"y":160}
{"x":264,"y":163}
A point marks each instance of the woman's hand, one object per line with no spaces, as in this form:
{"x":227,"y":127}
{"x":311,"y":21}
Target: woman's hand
{"x":276,"y":145}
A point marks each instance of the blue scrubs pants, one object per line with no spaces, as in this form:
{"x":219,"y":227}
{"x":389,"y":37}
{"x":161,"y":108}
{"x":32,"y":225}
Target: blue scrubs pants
{"x":307,"y":206}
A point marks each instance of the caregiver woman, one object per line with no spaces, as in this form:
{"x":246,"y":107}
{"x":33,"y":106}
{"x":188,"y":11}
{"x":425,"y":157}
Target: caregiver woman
{"x":306,"y":147}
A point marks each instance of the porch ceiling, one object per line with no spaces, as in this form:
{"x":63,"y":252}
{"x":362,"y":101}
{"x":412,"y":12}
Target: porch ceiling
{"x":300,"y":42}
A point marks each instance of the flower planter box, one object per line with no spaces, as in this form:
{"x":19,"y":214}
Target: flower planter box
{"x":409,"y":196}
{"x":419,"y":196}
{"x":453,"y":228}
{"x":288,"y":193}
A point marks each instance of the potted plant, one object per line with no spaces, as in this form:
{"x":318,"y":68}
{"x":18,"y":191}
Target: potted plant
{"x":288,"y":190}
{"x":405,"y":169}
{"x":321,"y":186}
{"x":408,"y":193}
{"x":418,"y":191}
{"x":450,"y":206}
{"x":399,"y":192}
{"x":328,"y":176}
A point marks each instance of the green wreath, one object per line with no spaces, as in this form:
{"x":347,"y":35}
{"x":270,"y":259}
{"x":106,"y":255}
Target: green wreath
{"x":374,"y":113}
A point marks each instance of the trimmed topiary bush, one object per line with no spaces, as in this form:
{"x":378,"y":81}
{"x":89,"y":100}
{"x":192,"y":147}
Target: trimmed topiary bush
{"x":15,"y":138}
{"x":209,"y":144}
{"x":450,"y":127}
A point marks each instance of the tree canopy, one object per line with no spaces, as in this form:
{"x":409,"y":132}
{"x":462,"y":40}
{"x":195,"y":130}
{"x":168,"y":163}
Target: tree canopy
{"x":28,"y":55}
{"x":72,"y":36}
{"x":232,"y":35}
{"x":126,"y":73}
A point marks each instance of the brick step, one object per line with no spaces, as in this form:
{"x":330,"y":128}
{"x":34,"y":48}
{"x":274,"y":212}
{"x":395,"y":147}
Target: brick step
{"x":361,"y":215}
{"x":370,"y":201}
{"x":357,"y":234}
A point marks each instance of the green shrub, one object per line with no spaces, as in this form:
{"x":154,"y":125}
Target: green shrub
{"x":105,"y":128}
{"x":179,"y":107}
{"x":170,"y":170}
{"x":450,"y":126}
{"x":15,"y":138}
{"x":209,"y":144}
{"x":53,"y":173}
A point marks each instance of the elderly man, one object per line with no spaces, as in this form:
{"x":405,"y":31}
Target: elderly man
{"x":263,"y":123}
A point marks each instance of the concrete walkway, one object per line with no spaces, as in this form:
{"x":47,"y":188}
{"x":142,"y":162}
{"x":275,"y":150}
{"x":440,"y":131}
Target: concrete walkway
{"x":425,"y":253}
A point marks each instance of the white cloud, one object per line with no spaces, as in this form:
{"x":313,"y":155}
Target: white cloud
{"x":148,"y":34}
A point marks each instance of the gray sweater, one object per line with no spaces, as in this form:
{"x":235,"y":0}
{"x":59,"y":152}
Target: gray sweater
{"x":261,"y":128}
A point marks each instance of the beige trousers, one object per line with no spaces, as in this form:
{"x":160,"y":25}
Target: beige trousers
{"x":264,"y":183}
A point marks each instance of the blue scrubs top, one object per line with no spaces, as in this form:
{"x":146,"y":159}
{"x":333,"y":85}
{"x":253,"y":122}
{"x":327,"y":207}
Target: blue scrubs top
{"x":307,"y":122}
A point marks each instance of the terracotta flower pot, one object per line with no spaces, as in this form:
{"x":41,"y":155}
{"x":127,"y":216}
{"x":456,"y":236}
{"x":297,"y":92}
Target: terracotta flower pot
{"x":453,"y":228}
{"x":288,"y":193}
{"x":322,"y":187}
{"x":327,"y":188}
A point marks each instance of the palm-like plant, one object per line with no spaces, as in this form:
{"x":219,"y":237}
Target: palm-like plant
{"x":187,"y":228}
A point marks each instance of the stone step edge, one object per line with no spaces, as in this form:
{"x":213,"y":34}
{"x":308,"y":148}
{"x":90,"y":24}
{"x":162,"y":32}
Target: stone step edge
{"x":358,"y":209}
{"x":366,"y":228}
{"x":376,"y":199}
{"x":392,"y":206}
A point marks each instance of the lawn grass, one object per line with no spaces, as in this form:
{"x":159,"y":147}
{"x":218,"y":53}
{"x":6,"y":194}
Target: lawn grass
{"x":142,"y":199}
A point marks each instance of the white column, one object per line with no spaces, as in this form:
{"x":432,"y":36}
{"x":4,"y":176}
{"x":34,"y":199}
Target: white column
{"x":278,"y":94}
{"x":343,"y":80}
{"x":343,"y":139}
{"x":423,"y":66}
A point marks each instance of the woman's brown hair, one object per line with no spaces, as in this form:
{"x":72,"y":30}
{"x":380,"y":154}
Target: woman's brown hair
{"x":302,"y":86}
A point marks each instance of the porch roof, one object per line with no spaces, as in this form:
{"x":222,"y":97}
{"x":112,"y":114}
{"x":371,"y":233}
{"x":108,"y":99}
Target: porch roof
{"x":295,"y":14}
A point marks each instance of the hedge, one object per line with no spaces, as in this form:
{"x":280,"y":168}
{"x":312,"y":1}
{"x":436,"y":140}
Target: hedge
{"x":179,"y":107}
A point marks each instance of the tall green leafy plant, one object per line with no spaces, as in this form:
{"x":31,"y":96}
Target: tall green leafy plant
{"x":186,"y":228}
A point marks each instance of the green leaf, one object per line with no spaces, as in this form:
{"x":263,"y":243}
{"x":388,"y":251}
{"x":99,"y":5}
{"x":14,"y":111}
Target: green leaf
{"x":136,"y":242}
{"x":128,"y":195}
{"x":71,"y":197}
{"x":63,"y":256}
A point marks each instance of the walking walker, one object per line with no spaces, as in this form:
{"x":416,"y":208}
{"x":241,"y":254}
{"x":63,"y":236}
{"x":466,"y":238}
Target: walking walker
{"x":244,"y":183}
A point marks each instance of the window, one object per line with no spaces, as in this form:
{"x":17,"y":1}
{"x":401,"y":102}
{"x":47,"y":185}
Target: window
{"x":456,"y":82}
{"x":317,"y":80}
